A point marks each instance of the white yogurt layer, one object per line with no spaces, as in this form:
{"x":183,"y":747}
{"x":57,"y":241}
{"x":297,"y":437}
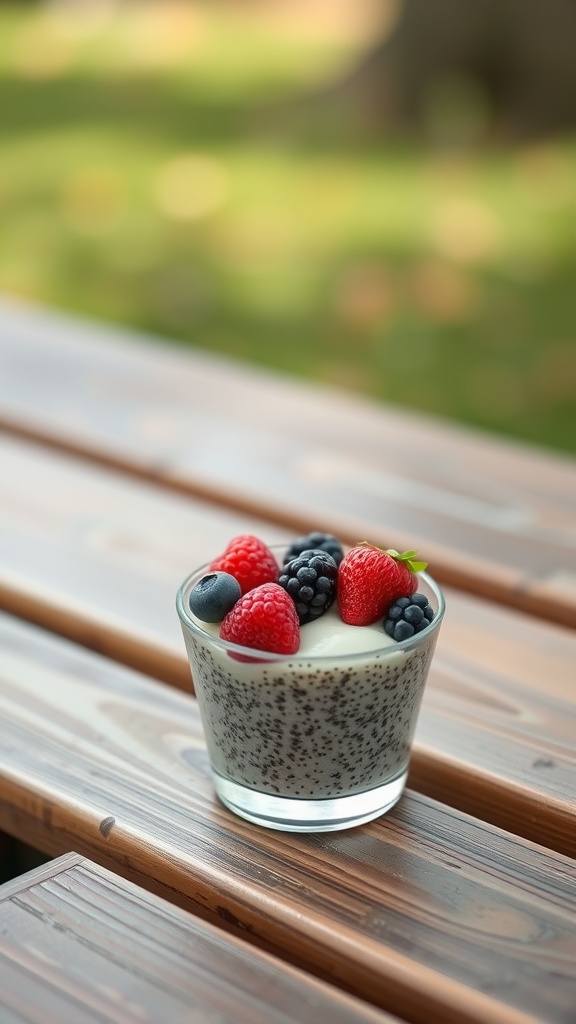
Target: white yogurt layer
{"x":328,"y":635}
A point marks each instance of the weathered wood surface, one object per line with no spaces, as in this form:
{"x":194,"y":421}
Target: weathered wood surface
{"x":428,"y":913}
{"x":99,"y":559}
{"x":80,"y":945}
{"x":495,"y":518}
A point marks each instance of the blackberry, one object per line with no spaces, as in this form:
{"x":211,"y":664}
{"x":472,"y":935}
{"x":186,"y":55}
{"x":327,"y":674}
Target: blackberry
{"x":310,"y":579}
{"x":407,"y":616}
{"x":317,"y":541}
{"x":213,"y":596}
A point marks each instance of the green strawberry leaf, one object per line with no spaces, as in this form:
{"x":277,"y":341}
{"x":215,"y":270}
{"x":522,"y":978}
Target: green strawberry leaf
{"x":409,"y":558}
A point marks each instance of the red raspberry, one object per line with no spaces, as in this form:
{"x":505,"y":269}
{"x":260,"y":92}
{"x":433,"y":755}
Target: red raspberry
{"x":249,"y":560}
{"x":370,"y":580}
{"x":265,"y":619}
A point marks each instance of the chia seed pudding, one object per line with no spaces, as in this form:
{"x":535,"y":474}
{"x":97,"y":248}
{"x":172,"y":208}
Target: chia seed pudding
{"x":334,"y":720}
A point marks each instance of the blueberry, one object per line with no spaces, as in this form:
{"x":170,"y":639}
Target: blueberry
{"x":213,"y":596}
{"x":407,"y":616}
{"x":403,"y":630}
{"x":413,"y":615}
{"x":395,"y":612}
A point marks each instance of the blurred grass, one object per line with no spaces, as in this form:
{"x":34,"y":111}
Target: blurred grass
{"x":147,"y":177}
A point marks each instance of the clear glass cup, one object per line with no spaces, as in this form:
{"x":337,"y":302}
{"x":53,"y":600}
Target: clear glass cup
{"x":308,"y":743}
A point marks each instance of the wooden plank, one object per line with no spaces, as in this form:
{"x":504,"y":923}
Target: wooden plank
{"x":495,"y":518}
{"x":99,"y":560}
{"x":496,"y":735}
{"x":80,"y":944}
{"x":98,"y":557}
{"x":427,"y":913}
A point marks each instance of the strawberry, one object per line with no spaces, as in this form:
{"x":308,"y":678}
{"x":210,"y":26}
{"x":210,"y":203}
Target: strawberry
{"x":266,"y":619}
{"x":371,"y":579}
{"x":249,"y":560}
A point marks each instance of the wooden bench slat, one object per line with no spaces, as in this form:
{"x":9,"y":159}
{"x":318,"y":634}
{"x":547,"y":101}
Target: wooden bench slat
{"x":496,"y":732}
{"x":97,"y":557}
{"x":427,"y":913}
{"x":80,"y":944}
{"x":493,"y":517}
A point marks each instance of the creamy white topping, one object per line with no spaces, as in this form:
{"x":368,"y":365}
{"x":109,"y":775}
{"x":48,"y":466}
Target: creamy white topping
{"x":329,"y":635}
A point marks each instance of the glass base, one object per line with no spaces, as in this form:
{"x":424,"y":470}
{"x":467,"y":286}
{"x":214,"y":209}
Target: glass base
{"x":327,"y":815}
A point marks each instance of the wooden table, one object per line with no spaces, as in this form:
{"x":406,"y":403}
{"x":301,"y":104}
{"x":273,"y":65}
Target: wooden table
{"x":123,"y":463}
{"x":85,"y":946}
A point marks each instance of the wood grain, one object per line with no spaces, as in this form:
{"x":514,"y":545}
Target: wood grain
{"x":427,"y":913}
{"x":494,"y":518}
{"x":80,"y":944}
{"x":497,"y":733}
{"x":99,"y":559}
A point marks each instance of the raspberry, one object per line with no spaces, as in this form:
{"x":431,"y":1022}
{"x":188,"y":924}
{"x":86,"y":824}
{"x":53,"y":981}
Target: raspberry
{"x":319,"y":542}
{"x":249,"y":560}
{"x":407,"y":616}
{"x":310,"y":579}
{"x":265,"y":619}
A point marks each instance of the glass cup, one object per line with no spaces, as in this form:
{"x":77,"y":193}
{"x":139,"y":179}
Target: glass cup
{"x":306,"y":743}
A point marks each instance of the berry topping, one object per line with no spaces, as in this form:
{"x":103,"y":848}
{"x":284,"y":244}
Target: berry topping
{"x":264,"y":619}
{"x":310,"y":579}
{"x":371,"y":579}
{"x":213,"y":596}
{"x":317,"y":541}
{"x":407,"y":616}
{"x":249,"y":561}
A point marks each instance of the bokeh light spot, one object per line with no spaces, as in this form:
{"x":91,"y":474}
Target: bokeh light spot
{"x":256,"y":237}
{"x":41,"y":50}
{"x":80,"y":21}
{"x":356,"y":21}
{"x":466,"y":230}
{"x":156,"y":36}
{"x":191,"y":186}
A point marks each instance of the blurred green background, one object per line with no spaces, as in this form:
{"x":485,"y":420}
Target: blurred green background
{"x":191,"y":169}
